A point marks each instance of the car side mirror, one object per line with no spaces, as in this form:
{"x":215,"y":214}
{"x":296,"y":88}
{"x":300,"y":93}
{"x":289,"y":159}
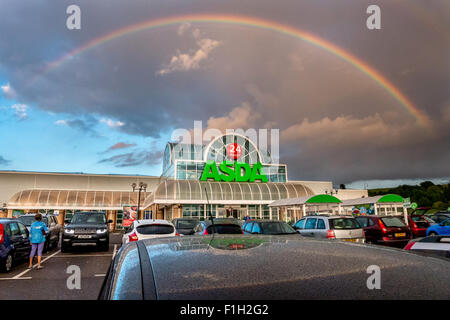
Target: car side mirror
{"x":295,"y":227}
{"x":66,"y":220}
{"x":110,"y":221}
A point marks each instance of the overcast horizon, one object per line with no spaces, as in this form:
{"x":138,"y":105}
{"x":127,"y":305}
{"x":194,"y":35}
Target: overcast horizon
{"x":112,"y":105}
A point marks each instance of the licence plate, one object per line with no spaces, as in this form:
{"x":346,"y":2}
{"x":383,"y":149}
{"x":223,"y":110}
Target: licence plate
{"x":84,"y":237}
{"x":398,"y":235}
{"x":350,"y":240}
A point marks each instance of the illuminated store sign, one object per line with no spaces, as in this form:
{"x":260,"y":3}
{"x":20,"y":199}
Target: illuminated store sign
{"x":233,"y":171}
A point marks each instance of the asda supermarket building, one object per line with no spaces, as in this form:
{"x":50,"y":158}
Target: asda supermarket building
{"x":229,"y":176}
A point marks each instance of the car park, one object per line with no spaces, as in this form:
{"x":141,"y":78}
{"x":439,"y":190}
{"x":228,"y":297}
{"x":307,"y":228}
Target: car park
{"x":14,"y":243}
{"x":443,"y":228}
{"x":185,"y":226}
{"x":86,"y":229}
{"x":149,"y":229}
{"x":218,"y":225}
{"x":431,"y":245}
{"x":386,"y":230}
{"x":54,"y":228}
{"x":330,"y":227}
{"x":268,"y":227}
{"x":236,"y":267}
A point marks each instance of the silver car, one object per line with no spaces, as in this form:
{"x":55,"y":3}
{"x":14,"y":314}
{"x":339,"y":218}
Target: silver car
{"x":330,"y":227}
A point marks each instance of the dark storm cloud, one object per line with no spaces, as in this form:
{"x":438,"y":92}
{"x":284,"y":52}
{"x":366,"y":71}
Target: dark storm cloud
{"x":281,"y":81}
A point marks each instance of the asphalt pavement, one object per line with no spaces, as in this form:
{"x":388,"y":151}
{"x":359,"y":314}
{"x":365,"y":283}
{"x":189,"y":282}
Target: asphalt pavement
{"x":54,"y":282}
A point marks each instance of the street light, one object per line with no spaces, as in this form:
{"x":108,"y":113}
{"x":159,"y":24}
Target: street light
{"x":142,"y":187}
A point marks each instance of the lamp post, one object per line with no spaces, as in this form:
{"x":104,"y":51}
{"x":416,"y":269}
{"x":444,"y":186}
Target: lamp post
{"x":142,"y":187}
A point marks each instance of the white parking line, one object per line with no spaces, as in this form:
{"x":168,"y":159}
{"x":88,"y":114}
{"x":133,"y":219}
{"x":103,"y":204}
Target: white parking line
{"x":100,"y":275}
{"x":42,"y":261}
{"x":24,"y":278}
{"x":114,"y":252}
{"x":82,"y":255}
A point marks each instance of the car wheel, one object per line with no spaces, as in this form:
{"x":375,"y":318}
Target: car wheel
{"x":7,"y":265}
{"x":105,"y":247}
{"x":64,"y":248}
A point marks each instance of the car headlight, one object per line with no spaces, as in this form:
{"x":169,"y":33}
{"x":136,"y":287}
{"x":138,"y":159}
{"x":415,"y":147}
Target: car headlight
{"x":69,"y":231}
{"x":101,"y":230}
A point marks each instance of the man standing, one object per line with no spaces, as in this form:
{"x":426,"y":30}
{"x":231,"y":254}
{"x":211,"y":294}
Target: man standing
{"x":38,"y":230}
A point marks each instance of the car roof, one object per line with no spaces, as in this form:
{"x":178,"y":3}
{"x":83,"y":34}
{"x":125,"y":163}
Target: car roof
{"x":151,"y":221}
{"x":179,"y":265}
{"x":264,"y":220}
{"x":223,"y":221}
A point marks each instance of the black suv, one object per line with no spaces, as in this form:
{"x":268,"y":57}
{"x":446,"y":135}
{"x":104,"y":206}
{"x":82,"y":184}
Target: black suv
{"x":84,"y":229}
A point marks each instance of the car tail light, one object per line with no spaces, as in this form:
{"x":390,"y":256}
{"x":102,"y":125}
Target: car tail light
{"x":205,"y":232}
{"x":2,"y":234}
{"x":177,"y":234}
{"x":330,"y":234}
{"x":383,"y":227}
{"x":133,"y":237}
{"x":409,"y":245}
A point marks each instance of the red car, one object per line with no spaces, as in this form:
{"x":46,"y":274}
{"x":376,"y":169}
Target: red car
{"x":386,"y":230}
{"x":418,"y":225}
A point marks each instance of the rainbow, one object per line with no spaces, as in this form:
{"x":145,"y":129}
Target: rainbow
{"x":261,"y":24}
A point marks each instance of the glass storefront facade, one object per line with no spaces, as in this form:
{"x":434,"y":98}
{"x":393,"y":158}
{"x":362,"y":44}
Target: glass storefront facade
{"x":185,"y":187}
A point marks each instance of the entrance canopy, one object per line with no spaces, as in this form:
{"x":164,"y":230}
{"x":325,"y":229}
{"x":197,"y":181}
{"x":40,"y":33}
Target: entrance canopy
{"x":319,"y":199}
{"x":73,"y":199}
{"x":383,"y":199}
{"x":200,"y":192}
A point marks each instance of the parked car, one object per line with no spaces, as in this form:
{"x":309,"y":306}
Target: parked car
{"x":261,"y":267}
{"x":438,"y":217}
{"x":54,"y":228}
{"x":442,"y":229}
{"x":86,"y":229}
{"x":418,"y":225}
{"x":185,"y":226}
{"x":430,"y":221}
{"x":14,"y":243}
{"x":386,"y":230}
{"x":272,"y":227}
{"x":432,"y":245}
{"x":149,"y":229}
{"x":221,"y":225}
{"x":330,"y":227}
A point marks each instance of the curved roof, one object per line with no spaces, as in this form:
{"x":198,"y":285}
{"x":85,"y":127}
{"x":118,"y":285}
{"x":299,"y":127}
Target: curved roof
{"x":311,"y":199}
{"x":193,"y":191}
{"x":388,"y":198}
{"x":73,"y":199}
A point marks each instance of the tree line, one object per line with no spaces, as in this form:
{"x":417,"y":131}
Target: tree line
{"x":426,"y":194}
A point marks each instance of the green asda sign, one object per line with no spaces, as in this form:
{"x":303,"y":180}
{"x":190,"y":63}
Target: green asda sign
{"x":233,"y":171}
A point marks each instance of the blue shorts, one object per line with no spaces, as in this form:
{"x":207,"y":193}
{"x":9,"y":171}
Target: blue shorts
{"x":37,"y":246}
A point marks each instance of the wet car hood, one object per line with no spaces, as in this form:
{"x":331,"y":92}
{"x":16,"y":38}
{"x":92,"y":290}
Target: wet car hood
{"x":289,"y":267}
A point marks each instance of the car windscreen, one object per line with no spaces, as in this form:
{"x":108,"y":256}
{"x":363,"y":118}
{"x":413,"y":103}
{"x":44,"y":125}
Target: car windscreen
{"x":344,"y":223}
{"x":276,"y":228}
{"x":187,"y":224}
{"x":392,"y":222}
{"x":88,"y":218}
{"x":28,"y":220}
{"x":225,"y":229}
{"x":155,"y":229}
